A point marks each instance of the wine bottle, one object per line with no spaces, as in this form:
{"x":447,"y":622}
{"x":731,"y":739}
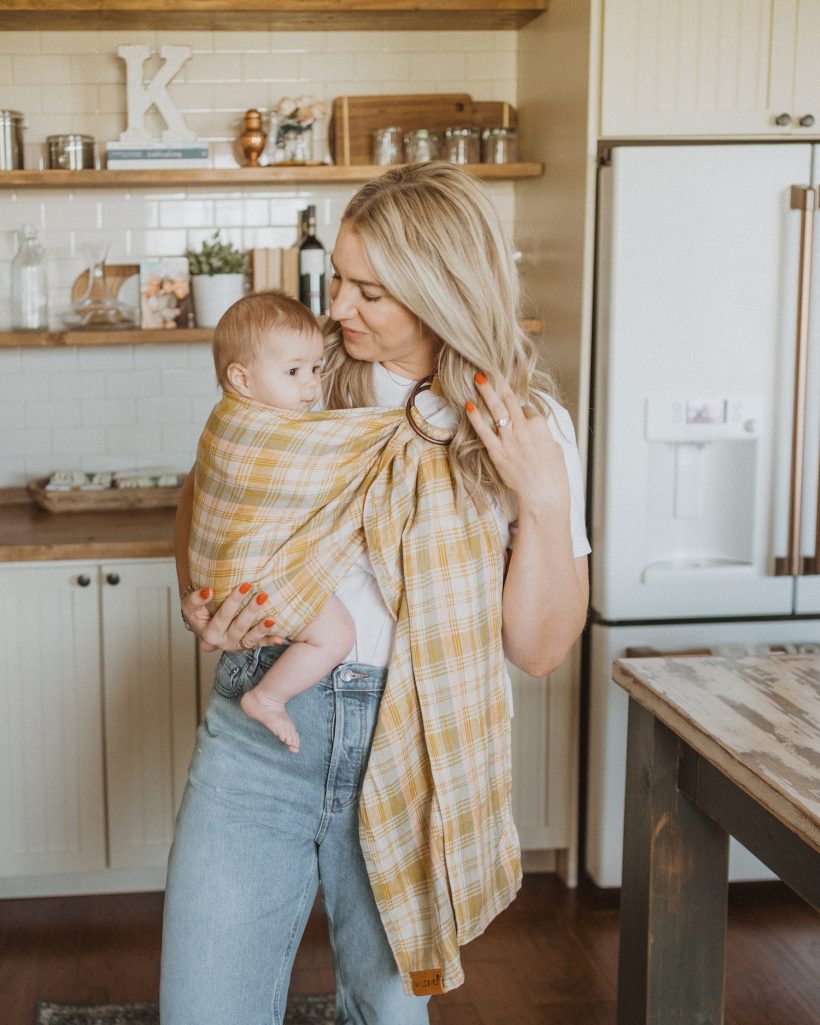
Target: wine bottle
{"x":311,"y":267}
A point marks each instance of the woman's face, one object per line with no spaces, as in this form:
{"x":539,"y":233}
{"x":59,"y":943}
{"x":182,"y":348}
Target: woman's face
{"x":376,"y":327}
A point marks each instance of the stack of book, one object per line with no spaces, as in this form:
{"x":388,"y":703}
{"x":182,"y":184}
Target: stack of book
{"x":128,"y":157}
{"x":276,"y":268}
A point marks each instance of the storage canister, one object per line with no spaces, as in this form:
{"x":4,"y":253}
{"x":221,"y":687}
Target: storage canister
{"x":387,"y":146}
{"x":71,"y":152}
{"x":11,"y":140}
{"x":462,"y":145}
{"x":499,"y":146}
{"x":420,"y":145}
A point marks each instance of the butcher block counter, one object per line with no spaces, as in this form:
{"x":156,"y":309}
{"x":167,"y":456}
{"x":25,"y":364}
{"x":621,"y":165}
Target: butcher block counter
{"x":29,"y":533}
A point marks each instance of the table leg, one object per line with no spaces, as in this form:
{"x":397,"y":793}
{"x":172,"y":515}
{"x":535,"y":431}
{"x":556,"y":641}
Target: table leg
{"x":673,"y":899}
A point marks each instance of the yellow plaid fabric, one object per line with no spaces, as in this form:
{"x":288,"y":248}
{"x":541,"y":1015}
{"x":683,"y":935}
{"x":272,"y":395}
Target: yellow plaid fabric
{"x":289,"y":500}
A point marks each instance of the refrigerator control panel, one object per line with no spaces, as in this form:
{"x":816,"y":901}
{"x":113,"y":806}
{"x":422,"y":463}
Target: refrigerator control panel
{"x":702,"y":418}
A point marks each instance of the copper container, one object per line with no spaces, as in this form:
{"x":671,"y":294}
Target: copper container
{"x":252,"y":139}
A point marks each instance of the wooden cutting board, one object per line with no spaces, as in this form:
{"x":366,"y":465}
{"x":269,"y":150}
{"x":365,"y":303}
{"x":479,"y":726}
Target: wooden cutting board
{"x":354,"y":118}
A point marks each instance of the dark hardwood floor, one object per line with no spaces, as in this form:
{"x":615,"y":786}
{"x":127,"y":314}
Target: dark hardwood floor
{"x":551,"y":959}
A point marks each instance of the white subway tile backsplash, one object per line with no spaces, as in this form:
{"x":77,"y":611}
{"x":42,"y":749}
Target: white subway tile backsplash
{"x":185,"y":213}
{"x":45,"y":412}
{"x":165,"y":410}
{"x":127,"y":440}
{"x":242,"y":42}
{"x":376,"y":67}
{"x":67,"y":42}
{"x":79,"y":384}
{"x":135,"y":405}
{"x":68,"y":442}
{"x":100,"y":412}
{"x":212,"y":67}
{"x":19,"y":42}
{"x":271,"y":67}
{"x":449,"y":65}
{"x":136,"y":384}
{"x":27,"y":441}
{"x":98,"y":68}
{"x":189,"y":382}
{"x":33,"y":69}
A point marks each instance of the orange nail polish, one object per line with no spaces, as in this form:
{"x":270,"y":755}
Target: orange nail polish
{"x":269,"y":623}
{"x":480,"y":378}
{"x":261,"y":598}
{"x":244,"y":588}
{"x":470,"y":407}
{"x":205,"y":593}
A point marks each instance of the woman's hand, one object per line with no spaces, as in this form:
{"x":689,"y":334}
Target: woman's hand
{"x":546,"y":590}
{"x":231,"y":627}
{"x":520,"y":444}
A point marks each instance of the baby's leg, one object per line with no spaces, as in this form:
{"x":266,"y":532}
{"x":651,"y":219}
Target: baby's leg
{"x":320,"y":647}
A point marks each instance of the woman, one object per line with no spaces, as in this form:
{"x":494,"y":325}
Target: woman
{"x":424,"y":283}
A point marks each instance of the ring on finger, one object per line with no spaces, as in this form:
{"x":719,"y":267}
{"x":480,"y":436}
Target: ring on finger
{"x":244,"y":646}
{"x":502,"y":422}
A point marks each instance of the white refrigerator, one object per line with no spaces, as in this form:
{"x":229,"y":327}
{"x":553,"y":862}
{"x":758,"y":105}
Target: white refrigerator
{"x":706,"y":428}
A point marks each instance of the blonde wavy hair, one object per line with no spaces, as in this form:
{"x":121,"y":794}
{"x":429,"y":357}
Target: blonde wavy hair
{"x":436,"y":243}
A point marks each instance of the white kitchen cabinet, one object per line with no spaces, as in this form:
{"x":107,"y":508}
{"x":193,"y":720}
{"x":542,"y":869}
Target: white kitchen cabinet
{"x":98,"y":723}
{"x":710,"y":68}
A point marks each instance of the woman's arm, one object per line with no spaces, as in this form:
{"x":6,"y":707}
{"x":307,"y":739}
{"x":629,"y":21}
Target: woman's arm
{"x":233,"y":621}
{"x":546,"y":588}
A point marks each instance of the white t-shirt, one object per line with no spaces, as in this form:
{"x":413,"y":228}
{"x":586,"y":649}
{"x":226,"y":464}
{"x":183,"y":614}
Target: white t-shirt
{"x":359,"y":591}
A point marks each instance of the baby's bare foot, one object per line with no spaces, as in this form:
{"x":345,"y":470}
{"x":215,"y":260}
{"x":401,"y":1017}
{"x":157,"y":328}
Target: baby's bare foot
{"x":256,"y":704}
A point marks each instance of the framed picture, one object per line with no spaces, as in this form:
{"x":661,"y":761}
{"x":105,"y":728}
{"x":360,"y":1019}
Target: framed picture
{"x":165,"y":293}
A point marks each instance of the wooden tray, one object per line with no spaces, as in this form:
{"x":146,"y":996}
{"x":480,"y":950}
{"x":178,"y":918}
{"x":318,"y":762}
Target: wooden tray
{"x":107,"y":499}
{"x":354,"y":118}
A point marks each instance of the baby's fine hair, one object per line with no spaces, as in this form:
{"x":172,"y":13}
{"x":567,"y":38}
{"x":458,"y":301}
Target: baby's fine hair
{"x":244,"y":328}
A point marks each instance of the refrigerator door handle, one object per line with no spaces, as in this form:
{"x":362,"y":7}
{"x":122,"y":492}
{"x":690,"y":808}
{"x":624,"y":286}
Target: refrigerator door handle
{"x":805,"y":200}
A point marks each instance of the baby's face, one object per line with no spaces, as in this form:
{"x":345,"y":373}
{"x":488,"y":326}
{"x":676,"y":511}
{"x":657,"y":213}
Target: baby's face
{"x":286,"y":373}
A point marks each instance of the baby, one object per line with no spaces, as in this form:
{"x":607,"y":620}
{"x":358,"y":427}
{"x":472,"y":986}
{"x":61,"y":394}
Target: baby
{"x":267,"y":348}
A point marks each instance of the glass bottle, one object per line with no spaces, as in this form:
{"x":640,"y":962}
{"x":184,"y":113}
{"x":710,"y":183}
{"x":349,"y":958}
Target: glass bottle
{"x":29,"y":285}
{"x":312,"y":267}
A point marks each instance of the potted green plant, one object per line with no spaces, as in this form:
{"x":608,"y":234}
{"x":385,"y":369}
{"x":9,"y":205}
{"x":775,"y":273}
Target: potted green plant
{"x":217,"y":278}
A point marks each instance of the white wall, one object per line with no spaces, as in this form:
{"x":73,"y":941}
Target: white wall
{"x":116,"y":407}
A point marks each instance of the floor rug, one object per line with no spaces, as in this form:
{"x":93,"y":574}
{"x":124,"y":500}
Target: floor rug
{"x":303,"y":1009}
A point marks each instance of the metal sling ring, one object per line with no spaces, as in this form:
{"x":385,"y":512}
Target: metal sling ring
{"x":420,"y":386}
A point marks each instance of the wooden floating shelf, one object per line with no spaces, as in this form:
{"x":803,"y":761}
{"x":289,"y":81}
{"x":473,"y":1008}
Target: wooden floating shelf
{"x":259,"y":15}
{"x":133,"y":336}
{"x":180,"y":336}
{"x":322,"y":174}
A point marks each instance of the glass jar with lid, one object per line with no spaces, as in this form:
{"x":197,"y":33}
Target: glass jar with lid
{"x":387,"y":146}
{"x":421,"y":145}
{"x":462,"y":145}
{"x":499,"y":146}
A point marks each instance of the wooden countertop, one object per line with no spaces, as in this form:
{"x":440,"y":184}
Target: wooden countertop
{"x":756,"y":718}
{"x":30,"y":533}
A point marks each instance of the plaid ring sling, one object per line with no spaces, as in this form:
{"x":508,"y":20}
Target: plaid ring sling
{"x":289,"y":500}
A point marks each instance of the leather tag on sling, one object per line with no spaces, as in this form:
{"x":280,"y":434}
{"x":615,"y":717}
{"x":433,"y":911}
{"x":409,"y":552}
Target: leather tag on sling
{"x":427,"y":983}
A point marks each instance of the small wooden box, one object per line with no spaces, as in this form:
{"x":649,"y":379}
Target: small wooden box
{"x":354,"y":118}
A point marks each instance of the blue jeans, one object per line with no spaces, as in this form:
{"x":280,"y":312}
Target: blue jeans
{"x":257,"y":831}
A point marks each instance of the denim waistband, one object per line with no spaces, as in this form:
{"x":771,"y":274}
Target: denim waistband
{"x":348,"y":676}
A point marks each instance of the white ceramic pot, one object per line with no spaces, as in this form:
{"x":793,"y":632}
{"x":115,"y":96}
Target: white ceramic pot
{"x":213,"y":294}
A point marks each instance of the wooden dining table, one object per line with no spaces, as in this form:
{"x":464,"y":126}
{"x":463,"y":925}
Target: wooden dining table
{"x":716,"y":746}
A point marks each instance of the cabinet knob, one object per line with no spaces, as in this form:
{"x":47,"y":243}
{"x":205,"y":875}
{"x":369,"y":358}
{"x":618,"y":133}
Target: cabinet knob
{"x":807,"y":120}
{"x":113,"y":578}
{"x":783,"y":120}
{"x":83,"y":580}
